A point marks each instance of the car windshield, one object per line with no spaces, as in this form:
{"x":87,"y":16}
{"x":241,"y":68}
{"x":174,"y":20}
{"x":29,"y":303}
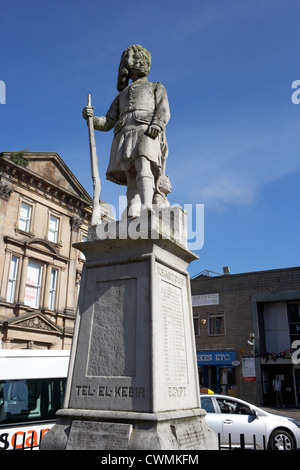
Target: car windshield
{"x":207,"y":404}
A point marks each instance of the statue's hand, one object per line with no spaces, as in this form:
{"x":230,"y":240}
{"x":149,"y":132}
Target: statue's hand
{"x":153,"y":131}
{"x":88,"y":111}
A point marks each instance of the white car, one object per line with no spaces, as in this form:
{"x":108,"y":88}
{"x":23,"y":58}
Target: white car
{"x":230,"y":418}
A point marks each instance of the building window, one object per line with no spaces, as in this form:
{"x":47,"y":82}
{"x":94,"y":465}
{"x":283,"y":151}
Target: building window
{"x":33,"y":285}
{"x":53,"y":229}
{"x":52,"y":292}
{"x":12,"y":279}
{"x":216,"y":324}
{"x":196,"y":319}
{"x":293,"y":309}
{"x":277,"y":335}
{"x":25,"y":217}
{"x":293,"y":312}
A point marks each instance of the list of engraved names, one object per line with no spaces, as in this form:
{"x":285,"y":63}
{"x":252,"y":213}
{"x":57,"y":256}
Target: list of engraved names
{"x":173,"y":324}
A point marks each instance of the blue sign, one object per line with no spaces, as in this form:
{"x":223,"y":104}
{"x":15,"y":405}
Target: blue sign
{"x":215,"y":358}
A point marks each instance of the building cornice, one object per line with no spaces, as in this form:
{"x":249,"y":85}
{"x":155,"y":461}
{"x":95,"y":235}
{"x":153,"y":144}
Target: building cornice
{"x":38,"y":244}
{"x":21,"y":175}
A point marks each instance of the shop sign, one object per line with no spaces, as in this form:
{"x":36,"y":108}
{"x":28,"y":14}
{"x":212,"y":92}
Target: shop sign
{"x":205,"y":299}
{"x":248,"y":365}
{"x":215,"y":358}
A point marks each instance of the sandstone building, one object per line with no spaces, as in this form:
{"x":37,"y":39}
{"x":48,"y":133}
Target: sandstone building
{"x":43,"y":211}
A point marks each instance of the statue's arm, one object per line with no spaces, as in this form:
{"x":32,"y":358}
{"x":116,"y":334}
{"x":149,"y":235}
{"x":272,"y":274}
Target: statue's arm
{"x":103,"y":123}
{"x":161,"y":114}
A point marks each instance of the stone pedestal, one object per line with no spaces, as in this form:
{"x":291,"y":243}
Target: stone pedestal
{"x":133,"y":381}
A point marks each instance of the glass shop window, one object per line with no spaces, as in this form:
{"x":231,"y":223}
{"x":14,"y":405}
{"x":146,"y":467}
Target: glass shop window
{"x":33,"y":284}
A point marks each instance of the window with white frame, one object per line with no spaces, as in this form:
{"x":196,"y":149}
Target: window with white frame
{"x":25,"y":216}
{"x":13,"y":272}
{"x":53,"y":229}
{"x":53,"y":287}
{"x":33,"y":284}
{"x":216,"y":324}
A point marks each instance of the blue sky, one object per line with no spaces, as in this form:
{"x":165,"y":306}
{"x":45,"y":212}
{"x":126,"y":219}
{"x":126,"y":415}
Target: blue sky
{"x":234,"y":134}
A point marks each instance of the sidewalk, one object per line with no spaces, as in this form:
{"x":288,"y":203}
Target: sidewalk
{"x":289,"y":411}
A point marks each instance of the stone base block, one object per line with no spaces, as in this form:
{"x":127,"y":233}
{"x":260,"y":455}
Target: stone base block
{"x":104,"y":430}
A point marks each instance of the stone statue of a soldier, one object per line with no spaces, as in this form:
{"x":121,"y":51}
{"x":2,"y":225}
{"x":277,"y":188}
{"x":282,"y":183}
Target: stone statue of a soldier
{"x":139,"y":115}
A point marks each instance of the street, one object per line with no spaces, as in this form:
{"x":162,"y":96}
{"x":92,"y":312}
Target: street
{"x":290,"y":412}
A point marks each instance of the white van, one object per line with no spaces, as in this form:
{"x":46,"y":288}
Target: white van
{"x":32,"y":386}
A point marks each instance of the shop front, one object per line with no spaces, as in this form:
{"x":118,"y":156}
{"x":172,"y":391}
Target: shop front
{"x":217,"y":371}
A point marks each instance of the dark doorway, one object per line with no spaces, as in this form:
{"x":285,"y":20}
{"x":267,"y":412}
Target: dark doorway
{"x":285,"y":372}
{"x":297,"y":385}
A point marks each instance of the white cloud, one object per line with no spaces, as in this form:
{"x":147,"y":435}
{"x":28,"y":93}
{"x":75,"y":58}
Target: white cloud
{"x":229,"y":166}
{"x":227,"y":189}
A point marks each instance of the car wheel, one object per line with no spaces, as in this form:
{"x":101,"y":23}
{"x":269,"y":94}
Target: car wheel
{"x":281,"y":440}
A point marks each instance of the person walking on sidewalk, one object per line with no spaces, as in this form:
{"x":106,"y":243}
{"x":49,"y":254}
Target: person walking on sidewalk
{"x":277,"y":387}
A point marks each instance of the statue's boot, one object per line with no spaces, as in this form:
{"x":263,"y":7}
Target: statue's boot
{"x":145,"y":186}
{"x":133,"y":202}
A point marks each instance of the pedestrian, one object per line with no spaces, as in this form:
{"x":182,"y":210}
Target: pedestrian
{"x":277,"y":387}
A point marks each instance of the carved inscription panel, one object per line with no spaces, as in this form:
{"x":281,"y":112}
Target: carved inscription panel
{"x":112,"y":355}
{"x":113,"y":330}
{"x":89,"y":435}
{"x":174,"y":341}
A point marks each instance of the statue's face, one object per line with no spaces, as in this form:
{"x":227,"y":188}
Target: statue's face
{"x":138,"y":65}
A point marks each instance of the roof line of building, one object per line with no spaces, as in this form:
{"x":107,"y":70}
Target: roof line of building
{"x":241,"y":274}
